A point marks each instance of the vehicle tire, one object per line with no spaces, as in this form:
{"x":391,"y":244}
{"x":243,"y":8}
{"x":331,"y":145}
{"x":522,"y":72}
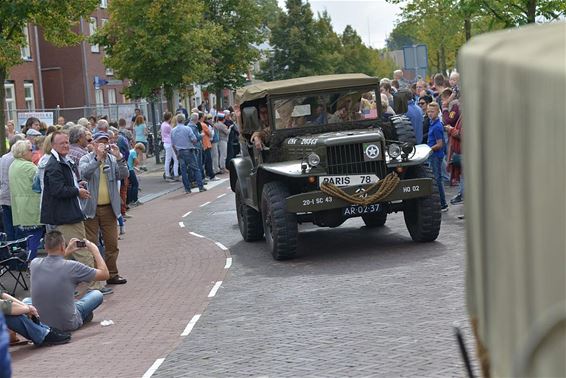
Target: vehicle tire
{"x":422,"y":215}
{"x":376,"y":219}
{"x":280,"y":226}
{"x":403,"y":129}
{"x":249,"y":220}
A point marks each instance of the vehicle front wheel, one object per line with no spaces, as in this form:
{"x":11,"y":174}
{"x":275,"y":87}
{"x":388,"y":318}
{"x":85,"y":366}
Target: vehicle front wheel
{"x":422,"y":215}
{"x":280,"y":226}
{"x":249,"y":220}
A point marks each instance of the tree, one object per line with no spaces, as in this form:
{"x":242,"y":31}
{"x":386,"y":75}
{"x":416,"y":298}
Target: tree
{"x":57,"y":18}
{"x":357,"y":57}
{"x":240,"y":28}
{"x":155,"y":47}
{"x":402,"y":35}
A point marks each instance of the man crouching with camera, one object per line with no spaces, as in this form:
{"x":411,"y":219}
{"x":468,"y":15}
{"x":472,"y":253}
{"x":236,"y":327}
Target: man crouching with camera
{"x":54,"y":280}
{"x":103,"y":169}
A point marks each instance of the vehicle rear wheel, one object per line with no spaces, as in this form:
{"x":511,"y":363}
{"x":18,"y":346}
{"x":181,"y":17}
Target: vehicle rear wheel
{"x":376,"y":219}
{"x":280,"y":226}
{"x":249,"y":220}
{"x":422,"y":215}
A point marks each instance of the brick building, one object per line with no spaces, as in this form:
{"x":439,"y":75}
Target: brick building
{"x":67,"y":77}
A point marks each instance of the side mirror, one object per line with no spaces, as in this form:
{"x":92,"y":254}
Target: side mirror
{"x":250,"y":119}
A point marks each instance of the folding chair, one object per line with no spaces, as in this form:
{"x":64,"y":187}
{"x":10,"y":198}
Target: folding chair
{"x":14,"y":261}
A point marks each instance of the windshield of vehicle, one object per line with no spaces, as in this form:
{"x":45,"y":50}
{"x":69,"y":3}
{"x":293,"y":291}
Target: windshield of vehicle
{"x":325,"y":108}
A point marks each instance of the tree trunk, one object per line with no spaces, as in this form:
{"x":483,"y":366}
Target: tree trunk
{"x":531,"y":11}
{"x":169,"y":96}
{"x":442,"y":59}
{"x":468,"y":28}
{"x":3,"y":75}
{"x":219,"y":99}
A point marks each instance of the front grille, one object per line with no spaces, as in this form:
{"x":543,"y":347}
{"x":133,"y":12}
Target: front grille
{"x":349,"y":159}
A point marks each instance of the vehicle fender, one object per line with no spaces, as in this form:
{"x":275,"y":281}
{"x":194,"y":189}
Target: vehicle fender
{"x":422,"y":153}
{"x":241,"y":168}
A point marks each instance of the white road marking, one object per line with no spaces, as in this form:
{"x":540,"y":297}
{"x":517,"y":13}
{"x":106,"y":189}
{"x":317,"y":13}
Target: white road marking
{"x":229,"y":187}
{"x":221,"y":246}
{"x":153,"y":368}
{"x":195,"y":234}
{"x":204,"y":204}
{"x":228,"y":263}
{"x":222,"y":195}
{"x":214,"y":289}
{"x":186,"y":214}
{"x":181,"y":224}
{"x":191,"y":324}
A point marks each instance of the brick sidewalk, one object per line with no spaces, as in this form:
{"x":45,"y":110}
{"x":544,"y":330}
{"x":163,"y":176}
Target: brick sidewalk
{"x":170,"y":273}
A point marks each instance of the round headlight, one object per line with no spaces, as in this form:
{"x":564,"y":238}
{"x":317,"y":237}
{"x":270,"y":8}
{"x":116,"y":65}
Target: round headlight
{"x":313,"y":159}
{"x":394,"y":151}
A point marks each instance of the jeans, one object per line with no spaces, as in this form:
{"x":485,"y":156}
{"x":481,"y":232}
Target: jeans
{"x":24,"y":326}
{"x":188,"y":162}
{"x":133,"y":187}
{"x":461,"y":186}
{"x":200,"y":162}
{"x":34,"y":241}
{"x":8,"y":225}
{"x":88,"y":303}
{"x":170,"y":154}
{"x":436,"y":164}
{"x":207,"y":157}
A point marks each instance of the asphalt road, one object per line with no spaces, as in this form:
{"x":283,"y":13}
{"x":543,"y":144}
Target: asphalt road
{"x":355,"y":302}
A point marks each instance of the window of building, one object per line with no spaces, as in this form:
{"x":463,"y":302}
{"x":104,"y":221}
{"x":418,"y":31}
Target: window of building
{"x":92,"y":29}
{"x":103,"y":3}
{"x":111,"y":96}
{"x":25,"y":50}
{"x":99,"y":95}
{"x":109,"y":72}
{"x":10,"y":101}
{"x":29,"y":97}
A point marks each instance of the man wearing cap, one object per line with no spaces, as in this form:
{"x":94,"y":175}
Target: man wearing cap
{"x":102,"y":169}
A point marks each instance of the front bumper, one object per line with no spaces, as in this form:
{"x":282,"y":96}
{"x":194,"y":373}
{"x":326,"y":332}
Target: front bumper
{"x":318,"y":200}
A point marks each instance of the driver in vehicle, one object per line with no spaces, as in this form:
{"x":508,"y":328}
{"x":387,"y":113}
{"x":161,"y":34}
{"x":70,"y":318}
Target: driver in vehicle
{"x":261,"y":138}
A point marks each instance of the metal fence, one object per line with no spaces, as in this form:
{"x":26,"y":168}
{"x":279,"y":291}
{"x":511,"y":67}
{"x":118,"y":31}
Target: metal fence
{"x":112,"y":111}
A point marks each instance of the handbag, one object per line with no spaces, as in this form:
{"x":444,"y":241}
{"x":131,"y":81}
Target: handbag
{"x":36,"y":184}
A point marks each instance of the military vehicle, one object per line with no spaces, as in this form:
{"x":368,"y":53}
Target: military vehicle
{"x":329,"y":155}
{"x":515,"y":204}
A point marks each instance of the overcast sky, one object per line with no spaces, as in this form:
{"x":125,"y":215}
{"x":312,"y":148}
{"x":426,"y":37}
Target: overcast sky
{"x":372,"y":19}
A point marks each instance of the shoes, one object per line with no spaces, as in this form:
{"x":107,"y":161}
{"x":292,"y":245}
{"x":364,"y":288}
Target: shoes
{"x":89,"y":318}
{"x":169,"y":179}
{"x":444,"y":208}
{"x":106,"y":290}
{"x":135,"y":204}
{"x":457,"y":199}
{"x":203,"y":189}
{"x":56,"y":337}
{"x":128,"y":216}
{"x":116,"y":280}
{"x":214,"y":179}
{"x":461,"y":216}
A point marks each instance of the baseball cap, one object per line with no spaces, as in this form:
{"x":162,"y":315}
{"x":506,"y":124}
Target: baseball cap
{"x":226,"y":112}
{"x":209,"y":116}
{"x":33,"y":132}
{"x":100,"y":135}
{"x":220,"y":115}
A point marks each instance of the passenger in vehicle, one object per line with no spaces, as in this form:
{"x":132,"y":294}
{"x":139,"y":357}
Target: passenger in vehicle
{"x":261,"y":138}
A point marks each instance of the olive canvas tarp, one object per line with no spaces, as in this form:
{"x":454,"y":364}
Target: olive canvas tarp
{"x":514,"y":130}
{"x":304,"y":84}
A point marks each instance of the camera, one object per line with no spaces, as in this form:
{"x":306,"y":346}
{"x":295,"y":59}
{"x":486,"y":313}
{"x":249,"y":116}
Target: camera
{"x":81,"y":244}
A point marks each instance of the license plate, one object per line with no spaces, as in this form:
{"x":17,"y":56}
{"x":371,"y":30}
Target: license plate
{"x":348,"y":180}
{"x":355,"y":210}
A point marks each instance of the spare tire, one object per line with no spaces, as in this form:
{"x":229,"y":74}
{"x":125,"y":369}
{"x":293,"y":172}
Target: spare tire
{"x":402,"y":129}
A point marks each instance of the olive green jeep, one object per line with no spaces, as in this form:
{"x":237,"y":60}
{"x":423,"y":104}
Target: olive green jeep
{"x":329,"y":155}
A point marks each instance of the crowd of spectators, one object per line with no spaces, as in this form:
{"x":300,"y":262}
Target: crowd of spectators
{"x":435,"y":112}
{"x":67,"y":188}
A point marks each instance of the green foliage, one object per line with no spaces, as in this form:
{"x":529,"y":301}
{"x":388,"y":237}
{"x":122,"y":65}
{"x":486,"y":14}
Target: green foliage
{"x":158,"y":43}
{"x":239,"y":28}
{"x":304,"y":45}
{"x":55,"y":17}
{"x":269,"y":11}
{"x":444,"y":25}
